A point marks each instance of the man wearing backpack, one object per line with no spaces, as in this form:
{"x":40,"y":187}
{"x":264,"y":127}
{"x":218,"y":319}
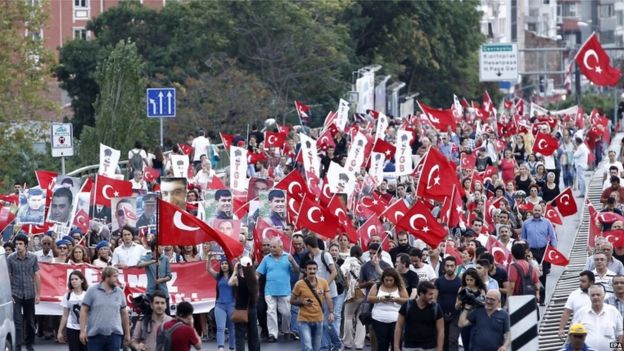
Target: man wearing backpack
{"x":179,"y":334}
{"x":144,"y":334}
{"x":423,"y":315}
{"x":137,"y":158}
{"x":538,"y":232}
{"x":523,"y":279}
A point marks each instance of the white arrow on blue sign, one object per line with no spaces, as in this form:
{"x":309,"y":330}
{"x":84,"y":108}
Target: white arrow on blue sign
{"x":161,"y":102}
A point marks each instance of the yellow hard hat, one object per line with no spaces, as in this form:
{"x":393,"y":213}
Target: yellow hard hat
{"x":578,"y":328}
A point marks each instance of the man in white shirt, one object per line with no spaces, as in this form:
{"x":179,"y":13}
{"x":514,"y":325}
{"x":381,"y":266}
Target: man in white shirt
{"x":129,"y":254}
{"x":603,"y":322}
{"x":385,"y":256}
{"x":201,"y":146}
{"x":581,"y":157}
{"x":45,"y":254}
{"x":425,"y":271}
{"x":613,"y":171}
{"x":613,"y":263}
{"x":612,"y":162}
{"x":603,"y":275}
{"x":137,"y":150}
{"x":578,"y":299}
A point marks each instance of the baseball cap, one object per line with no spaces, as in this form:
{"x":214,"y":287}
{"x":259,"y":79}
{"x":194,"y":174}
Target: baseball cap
{"x":578,"y":328}
{"x":245,"y":261}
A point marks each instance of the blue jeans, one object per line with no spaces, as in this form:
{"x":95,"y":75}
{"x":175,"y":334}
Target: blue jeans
{"x":294,"y":325}
{"x":248,"y":331}
{"x":310,"y":334}
{"x":105,"y":342}
{"x":223,"y":316}
{"x":338,"y":303}
{"x":331,"y":336}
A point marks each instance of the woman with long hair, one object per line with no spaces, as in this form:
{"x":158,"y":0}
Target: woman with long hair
{"x":473,"y":285}
{"x":246,"y":283}
{"x":387,"y":298}
{"x":224,"y":306}
{"x":158,"y":162}
{"x":70,"y":322}
{"x":78,"y":255}
{"x":353,"y":298}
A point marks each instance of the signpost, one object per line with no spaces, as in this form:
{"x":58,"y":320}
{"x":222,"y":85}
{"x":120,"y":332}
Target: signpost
{"x":160,"y":103}
{"x":498,"y":63}
{"x":62,"y":142}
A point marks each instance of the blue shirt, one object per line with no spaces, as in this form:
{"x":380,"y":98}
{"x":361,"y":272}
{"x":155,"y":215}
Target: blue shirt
{"x":277,"y":273}
{"x":487,"y":332}
{"x":538,"y":233}
{"x":164,"y":270}
{"x":226,"y":292}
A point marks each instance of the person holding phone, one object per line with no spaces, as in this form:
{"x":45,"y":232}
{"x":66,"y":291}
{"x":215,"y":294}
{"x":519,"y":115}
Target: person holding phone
{"x":387,"y":298}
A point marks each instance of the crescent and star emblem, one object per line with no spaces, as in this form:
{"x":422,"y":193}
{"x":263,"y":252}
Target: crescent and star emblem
{"x":436,"y":180}
{"x":412,"y":222}
{"x":588,"y":54}
{"x":311,"y":212}
{"x":371,"y":230}
{"x":398,"y":215}
{"x":550,"y":255}
{"x":539,"y":144}
{"x":177,"y":222}
{"x":292,"y":185}
{"x":272,"y":139}
{"x":106,"y":194}
{"x":567,"y":202}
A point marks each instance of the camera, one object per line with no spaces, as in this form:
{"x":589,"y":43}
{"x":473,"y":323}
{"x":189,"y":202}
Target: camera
{"x":467,"y":297}
{"x":141,"y":305}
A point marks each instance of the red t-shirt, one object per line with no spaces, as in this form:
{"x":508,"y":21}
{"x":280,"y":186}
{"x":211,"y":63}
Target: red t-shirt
{"x":512,"y":273}
{"x":183,"y":338}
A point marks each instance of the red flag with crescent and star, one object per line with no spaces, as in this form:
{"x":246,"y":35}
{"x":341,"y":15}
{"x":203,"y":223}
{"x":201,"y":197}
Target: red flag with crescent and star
{"x":275,"y":139}
{"x":317,"y":219}
{"x":565,"y":202}
{"x":419,"y":221}
{"x":468,"y":161}
{"x":555,"y":257}
{"x":595,"y":64}
{"x":150,"y":174}
{"x":385,"y":148}
{"x":325,"y":140}
{"x":440,"y":119}
{"x":178,"y":227}
{"x":336,"y":208}
{"x":545,"y":144}
{"x":264,"y":230}
{"x":46,"y":180}
{"x":227,"y":140}
{"x":615,"y":237}
{"x":185,"y":148}
{"x":372,"y":226}
{"x":81,"y":220}
{"x":303,"y":111}
{"x":107,"y":188}
{"x":294,"y":184}
{"x":395,"y":212}
{"x":437,"y":177}
{"x":552,"y":215}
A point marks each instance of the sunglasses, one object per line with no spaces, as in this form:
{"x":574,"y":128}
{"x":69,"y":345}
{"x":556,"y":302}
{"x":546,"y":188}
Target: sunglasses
{"x":62,"y":247}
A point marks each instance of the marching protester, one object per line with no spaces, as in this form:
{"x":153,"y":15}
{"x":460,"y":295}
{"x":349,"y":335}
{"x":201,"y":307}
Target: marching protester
{"x":146,"y":330}
{"x":69,"y":328}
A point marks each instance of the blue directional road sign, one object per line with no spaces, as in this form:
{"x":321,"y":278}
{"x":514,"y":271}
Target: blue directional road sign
{"x":161,"y":102}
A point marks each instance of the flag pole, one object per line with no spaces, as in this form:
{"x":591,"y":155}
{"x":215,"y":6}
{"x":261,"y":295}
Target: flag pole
{"x":544,"y":255}
{"x":157,"y":237}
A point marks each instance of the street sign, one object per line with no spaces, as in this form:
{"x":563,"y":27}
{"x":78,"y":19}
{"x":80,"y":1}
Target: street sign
{"x":498,"y":62}
{"x":62,"y":140}
{"x":161,"y":102}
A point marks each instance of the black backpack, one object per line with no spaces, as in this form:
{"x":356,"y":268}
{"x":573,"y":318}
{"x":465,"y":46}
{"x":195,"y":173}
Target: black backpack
{"x":340,"y":281}
{"x":526,"y":285}
{"x":164,"y":339}
{"x":136,"y":163}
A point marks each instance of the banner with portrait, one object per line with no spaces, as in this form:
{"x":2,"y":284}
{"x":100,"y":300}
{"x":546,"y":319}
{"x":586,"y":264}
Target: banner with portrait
{"x":64,"y":200}
{"x":124,"y":213}
{"x":109,"y":160}
{"x":32,"y":206}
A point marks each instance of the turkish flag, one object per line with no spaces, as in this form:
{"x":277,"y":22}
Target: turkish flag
{"x":595,"y":64}
{"x":453,"y":209}
{"x":545,"y":144}
{"x":450,"y":250}
{"x":227,"y":140}
{"x":275,"y":139}
{"x":372,"y":226}
{"x":419,"y":221}
{"x":436,"y":177}
{"x":615,"y":237}
{"x":10,"y":198}
{"x":555,"y":257}
{"x":565,"y":203}
{"x":87,"y":186}
{"x":46,"y":180}
{"x":325,"y":195}
{"x":7,"y":215}
{"x":552,"y":215}
{"x":395,"y":212}
{"x":129,"y":297}
{"x":317,"y":219}
{"x":81,"y":220}
{"x":368,"y":205}
{"x":185,"y":148}
{"x":294,"y":184}
{"x":107,"y":188}
{"x":501,"y":254}
{"x":37,"y":229}
{"x":385,"y":148}
{"x":178,"y":227}
{"x":303,"y":111}
{"x":579,"y":119}
{"x":266,"y":231}
{"x":440,"y":119}
{"x":609,"y":217}
{"x":216,"y":183}
{"x":336,"y":208}
{"x":488,"y":105}
{"x":325,"y":140}
{"x":150,"y":174}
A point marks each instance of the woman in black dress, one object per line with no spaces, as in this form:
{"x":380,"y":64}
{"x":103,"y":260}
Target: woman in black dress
{"x":550,"y":189}
{"x":246,"y":290}
{"x":523,"y":180}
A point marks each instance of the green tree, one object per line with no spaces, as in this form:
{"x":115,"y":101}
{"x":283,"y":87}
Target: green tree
{"x":120,"y":107}
{"x":24,"y":61}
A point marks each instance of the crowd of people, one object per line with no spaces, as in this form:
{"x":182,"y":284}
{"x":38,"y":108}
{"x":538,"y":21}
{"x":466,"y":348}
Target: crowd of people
{"x":389,"y":288}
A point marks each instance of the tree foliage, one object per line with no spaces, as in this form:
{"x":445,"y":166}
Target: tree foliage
{"x":24,"y":61}
{"x":120,"y":106}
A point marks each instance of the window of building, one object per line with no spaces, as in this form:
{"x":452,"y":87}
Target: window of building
{"x":81,"y":33}
{"x":605,"y":11}
{"x":81,"y":3}
{"x":619,"y":15}
{"x":37,"y":36}
{"x":568,"y":9}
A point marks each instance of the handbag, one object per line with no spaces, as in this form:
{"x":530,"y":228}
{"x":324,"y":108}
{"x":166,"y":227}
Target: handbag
{"x":357,"y":292}
{"x":365,"y":311}
{"x":240,"y":316}
{"x":313,"y":292}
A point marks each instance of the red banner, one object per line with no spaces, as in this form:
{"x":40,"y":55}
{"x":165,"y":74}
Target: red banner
{"x":191,"y":282}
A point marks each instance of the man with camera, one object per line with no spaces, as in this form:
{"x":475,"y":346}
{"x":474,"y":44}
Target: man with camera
{"x":308,"y":294}
{"x":490,"y":323}
{"x":144,"y":334}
